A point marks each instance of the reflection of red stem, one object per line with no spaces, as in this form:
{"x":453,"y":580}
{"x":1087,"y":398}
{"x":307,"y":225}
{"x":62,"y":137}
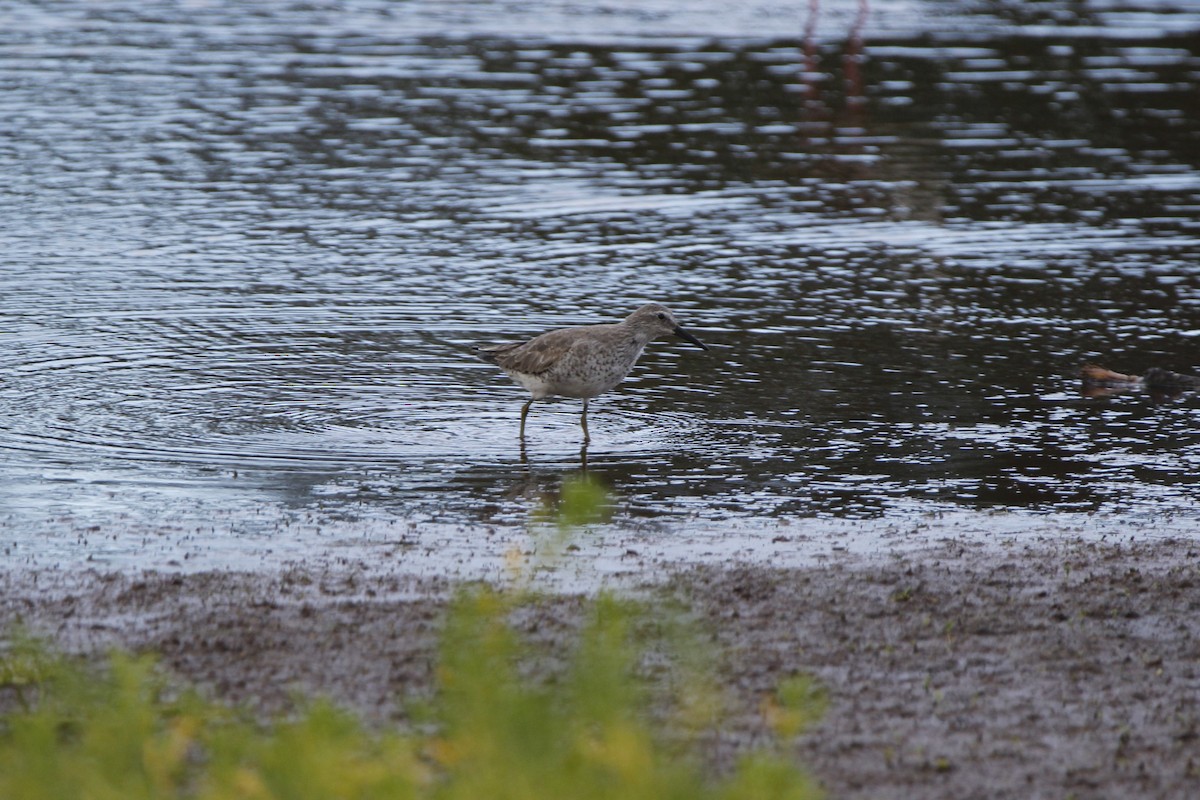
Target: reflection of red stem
{"x":854,"y":55}
{"x":811,"y":59}
{"x":851,"y":61}
{"x":854,"y":105}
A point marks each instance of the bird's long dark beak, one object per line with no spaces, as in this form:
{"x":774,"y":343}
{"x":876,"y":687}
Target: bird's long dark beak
{"x":687,"y":337}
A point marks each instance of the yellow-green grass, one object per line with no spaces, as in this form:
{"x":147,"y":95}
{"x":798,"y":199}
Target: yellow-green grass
{"x":497,"y":727}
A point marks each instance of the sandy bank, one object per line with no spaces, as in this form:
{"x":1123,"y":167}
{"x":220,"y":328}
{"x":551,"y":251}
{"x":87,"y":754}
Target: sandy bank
{"x":1040,"y":670}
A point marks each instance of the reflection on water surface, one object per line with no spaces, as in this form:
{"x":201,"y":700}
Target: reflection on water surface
{"x":249,"y":247}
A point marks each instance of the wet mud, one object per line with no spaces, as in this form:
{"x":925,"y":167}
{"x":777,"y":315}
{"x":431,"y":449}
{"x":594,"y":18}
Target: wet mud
{"x":1057,"y":669}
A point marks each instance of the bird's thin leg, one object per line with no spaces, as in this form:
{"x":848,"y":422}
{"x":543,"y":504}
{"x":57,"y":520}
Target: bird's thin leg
{"x":583,"y":422}
{"x":524,"y":414}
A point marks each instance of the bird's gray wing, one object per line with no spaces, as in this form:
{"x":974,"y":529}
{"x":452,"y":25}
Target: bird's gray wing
{"x":534,"y":356}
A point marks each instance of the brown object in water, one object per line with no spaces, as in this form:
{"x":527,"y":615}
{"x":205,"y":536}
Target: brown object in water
{"x":1097,"y":378}
{"x":1093,"y":374}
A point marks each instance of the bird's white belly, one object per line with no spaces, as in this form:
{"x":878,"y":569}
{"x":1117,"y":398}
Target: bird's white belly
{"x":566,"y":385}
{"x":578,"y":377}
{"x":533,"y":384}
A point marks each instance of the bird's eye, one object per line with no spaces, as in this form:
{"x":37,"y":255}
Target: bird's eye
{"x":663,"y":317}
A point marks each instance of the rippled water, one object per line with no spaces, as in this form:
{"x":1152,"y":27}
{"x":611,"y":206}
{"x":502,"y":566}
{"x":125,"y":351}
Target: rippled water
{"x":247,"y":248}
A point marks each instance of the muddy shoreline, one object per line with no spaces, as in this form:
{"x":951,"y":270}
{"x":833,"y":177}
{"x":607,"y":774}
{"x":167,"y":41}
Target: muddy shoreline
{"x":1025,"y":670}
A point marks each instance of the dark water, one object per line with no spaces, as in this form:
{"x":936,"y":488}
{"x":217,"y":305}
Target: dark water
{"x":246,"y":248}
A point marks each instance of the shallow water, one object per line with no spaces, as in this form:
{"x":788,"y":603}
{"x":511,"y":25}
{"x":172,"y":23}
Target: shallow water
{"x":248,"y":247}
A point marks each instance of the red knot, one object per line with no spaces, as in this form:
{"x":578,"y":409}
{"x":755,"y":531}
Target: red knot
{"x":583,"y":362}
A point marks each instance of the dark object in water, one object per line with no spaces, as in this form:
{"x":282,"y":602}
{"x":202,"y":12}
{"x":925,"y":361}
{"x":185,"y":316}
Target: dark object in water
{"x":1165,"y":380}
{"x":1100,"y":381}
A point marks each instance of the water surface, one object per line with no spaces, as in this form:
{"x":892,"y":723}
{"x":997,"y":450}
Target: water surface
{"x":248,"y":247}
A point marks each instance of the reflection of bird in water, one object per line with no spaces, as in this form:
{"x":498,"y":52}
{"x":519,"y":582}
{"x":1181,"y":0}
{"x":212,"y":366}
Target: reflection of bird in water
{"x":583,"y":362}
{"x":1098,"y":381}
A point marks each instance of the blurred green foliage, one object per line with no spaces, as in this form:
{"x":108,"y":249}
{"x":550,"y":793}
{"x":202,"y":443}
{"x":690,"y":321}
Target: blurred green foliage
{"x":124,"y":732}
{"x":620,"y":720}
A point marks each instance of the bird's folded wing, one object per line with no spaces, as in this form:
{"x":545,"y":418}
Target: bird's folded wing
{"x":535,"y":356}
